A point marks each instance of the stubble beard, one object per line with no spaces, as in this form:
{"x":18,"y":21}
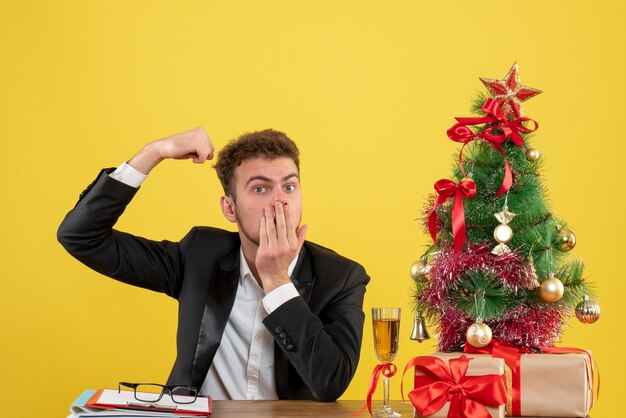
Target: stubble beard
{"x":247,"y":234}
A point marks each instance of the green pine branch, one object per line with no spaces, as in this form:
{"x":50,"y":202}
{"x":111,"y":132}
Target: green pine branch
{"x":480,"y":295}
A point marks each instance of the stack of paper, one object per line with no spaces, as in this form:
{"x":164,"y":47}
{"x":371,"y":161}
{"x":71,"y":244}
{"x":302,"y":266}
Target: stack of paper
{"x":111,"y":403}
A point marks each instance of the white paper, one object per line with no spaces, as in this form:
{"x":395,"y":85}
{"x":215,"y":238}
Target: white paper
{"x":123,"y":398}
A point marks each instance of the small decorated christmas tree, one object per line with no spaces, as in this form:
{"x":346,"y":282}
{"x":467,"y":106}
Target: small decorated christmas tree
{"x":498,"y":267}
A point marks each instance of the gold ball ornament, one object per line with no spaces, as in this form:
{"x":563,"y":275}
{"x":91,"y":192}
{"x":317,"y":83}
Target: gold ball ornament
{"x":468,"y":178}
{"x":588,"y":311}
{"x":551,"y":289}
{"x":566,"y":240}
{"x":532,"y":154}
{"x":478,"y":335}
{"x":420,"y":270}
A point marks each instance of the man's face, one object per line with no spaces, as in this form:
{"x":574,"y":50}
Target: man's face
{"x":258,"y":184}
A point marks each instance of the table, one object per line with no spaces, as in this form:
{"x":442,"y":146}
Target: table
{"x":280,"y":409}
{"x":288,"y":409}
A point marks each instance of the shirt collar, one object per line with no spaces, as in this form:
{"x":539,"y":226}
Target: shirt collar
{"x":245,"y":272}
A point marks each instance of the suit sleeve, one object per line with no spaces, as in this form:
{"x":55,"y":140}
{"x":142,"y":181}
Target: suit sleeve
{"x":324,"y":348}
{"x":87,"y":234}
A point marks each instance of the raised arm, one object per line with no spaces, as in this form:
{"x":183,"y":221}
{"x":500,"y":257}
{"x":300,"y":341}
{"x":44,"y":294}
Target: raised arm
{"x":193,"y":144}
{"x":87,"y":231}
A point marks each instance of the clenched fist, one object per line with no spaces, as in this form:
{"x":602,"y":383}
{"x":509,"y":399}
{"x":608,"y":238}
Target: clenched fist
{"x":194,"y":144}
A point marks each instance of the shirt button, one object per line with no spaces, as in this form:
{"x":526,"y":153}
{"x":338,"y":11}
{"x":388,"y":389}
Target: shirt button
{"x":278,"y":330}
{"x":257,"y":338}
{"x":282,"y":335}
{"x":252,"y":397}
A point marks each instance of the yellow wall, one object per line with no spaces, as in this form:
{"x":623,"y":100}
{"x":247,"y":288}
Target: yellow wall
{"x":368,"y":90}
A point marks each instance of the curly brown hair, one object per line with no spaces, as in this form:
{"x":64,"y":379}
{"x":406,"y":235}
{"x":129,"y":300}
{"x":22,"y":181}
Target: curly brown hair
{"x":268,"y":144}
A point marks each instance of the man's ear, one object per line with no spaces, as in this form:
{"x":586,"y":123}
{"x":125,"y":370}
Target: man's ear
{"x":228,"y":208}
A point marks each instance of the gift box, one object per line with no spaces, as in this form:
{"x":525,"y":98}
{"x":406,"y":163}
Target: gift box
{"x":471,"y":385}
{"x":558,"y":383}
{"x":553,"y":385}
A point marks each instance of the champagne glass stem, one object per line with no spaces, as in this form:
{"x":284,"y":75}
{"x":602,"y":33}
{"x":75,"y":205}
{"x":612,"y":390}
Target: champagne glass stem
{"x":386,"y":393}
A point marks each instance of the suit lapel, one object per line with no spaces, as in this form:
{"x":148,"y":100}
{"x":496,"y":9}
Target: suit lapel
{"x":222,"y":290}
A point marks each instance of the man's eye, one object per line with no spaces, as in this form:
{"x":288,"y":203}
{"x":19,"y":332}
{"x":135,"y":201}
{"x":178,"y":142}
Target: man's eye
{"x":289,"y":188}
{"x":259,"y":189}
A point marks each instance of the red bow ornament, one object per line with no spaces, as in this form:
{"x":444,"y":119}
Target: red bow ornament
{"x":468,"y":395}
{"x":499,"y":119}
{"x":447,"y":189}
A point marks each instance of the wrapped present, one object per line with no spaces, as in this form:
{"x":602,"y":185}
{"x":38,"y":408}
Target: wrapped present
{"x":554,"y":384}
{"x":455,"y":386}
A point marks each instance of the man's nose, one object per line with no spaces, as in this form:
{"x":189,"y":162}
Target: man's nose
{"x":281,"y":200}
{"x":280,"y":196}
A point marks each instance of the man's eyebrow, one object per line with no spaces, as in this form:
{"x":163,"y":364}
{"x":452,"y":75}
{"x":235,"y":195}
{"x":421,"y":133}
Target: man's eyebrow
{"x":262,"y":178}
{"x":268,"y":180}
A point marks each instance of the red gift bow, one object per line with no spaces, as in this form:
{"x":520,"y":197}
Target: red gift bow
{"x":445,"y":190}
{"x":467,"y":395}
{"x":460,"y":132}
{"x":387,"y":370}
{"x":512,"y":357}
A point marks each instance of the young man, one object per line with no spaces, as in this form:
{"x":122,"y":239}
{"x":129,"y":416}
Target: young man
{"x":263,"y":314}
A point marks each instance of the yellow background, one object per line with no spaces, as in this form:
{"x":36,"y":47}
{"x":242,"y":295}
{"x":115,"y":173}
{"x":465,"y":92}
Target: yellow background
{"x":367,"y":89}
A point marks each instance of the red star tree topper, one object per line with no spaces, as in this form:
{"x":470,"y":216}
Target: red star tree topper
{"x":510,"y":91}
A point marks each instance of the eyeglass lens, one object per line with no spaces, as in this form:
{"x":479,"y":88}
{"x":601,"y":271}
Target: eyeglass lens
{"x":153,"y":393}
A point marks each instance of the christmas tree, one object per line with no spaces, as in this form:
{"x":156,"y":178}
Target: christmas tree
{"x":498,"y":267}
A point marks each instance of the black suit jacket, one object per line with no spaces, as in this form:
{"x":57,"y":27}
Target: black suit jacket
{"x":317,"y":335}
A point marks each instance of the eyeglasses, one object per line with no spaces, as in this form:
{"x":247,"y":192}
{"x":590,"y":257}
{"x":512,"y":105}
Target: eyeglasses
{"x":153,"y":392}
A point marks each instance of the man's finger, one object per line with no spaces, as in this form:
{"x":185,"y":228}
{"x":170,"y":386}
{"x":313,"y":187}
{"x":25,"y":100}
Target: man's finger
{"x":281,"y":227}
{"x":197,"y":158}
{"x":200,"y":157}
{"x":271,"y":228}
{"x":263,"y":234}
{"x":291,"y":228}
{"x":202,"y":145}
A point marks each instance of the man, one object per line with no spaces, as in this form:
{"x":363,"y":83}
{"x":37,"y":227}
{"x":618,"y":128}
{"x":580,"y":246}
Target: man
{"x":263,"y":314}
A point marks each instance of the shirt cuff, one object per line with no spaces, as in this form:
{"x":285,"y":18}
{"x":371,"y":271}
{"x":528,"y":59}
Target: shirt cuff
{"x":128,"y":175}
{"x":278,"y":296}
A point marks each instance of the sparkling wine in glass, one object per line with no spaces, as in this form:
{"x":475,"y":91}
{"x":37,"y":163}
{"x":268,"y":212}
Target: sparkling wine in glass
{"x":386,"y":324}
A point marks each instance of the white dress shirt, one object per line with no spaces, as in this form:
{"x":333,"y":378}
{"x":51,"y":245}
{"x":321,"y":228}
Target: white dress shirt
{"x":243,"y":366}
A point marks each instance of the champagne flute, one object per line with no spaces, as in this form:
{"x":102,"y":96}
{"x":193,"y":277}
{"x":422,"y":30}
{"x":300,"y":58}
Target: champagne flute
{"x":386,"y":324}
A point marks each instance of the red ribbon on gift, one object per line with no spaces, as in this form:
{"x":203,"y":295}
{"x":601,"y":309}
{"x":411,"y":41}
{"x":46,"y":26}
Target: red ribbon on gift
{"x":441,"y":383}
{"x":499,"y":119}
{"x":387,"y":370}
{"x":511,"y":356}
{"x":446,"y":189}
